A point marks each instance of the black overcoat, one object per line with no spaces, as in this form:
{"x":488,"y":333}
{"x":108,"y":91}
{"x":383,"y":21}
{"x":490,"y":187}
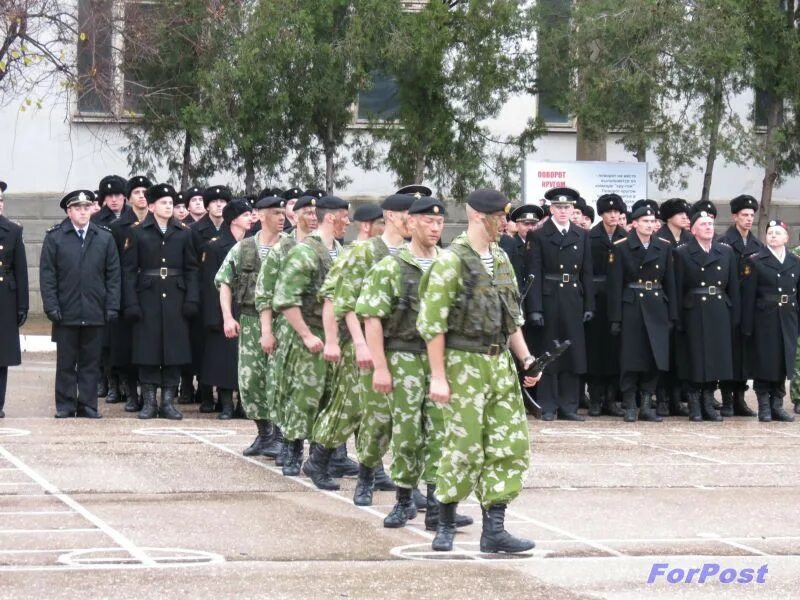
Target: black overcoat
{"x":13,"y":289}
{"x":161,"y":336}
{"x":562,"y":290}
{"x":646,"y":315}
{"x":120,"y":332}
{"x":515,"y":248}
{"x":705,"y":320}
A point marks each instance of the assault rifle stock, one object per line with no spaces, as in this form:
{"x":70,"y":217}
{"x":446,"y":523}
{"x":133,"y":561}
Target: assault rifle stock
{"x":541,"y":361}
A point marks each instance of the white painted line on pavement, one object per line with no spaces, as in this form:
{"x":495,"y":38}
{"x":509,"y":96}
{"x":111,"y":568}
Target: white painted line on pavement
{"x":55,"y":530}
{"x":37,"y":512}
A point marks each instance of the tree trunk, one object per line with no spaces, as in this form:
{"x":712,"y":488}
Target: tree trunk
{"x":186,"y":166}
{"x":330,"y":166}
{"x":774,"y":121}
{"x":641,"y":151}
{"x":713,"y":139}
{"x":590,"y":145}
{"x":419,"y":167}
{"x":249,"y":174}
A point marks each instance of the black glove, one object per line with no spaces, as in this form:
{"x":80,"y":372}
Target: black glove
{"x":190,"y":309}
{"x":111,"y":316}
{"x":537,"y":319}
{"x":587,"y":316}
{"x":22,"y":316}
{"x":133,"y":313}
{"x":54,"y":316}
{"x":616,"y":328}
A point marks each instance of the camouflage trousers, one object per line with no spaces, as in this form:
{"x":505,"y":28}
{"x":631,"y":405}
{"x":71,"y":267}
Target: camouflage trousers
{"x":417,"y":423}
{"x":486,"y":446}
{"x":306,"y":387}
{"x":341,"y":416}
{"x":375,"y":428}
{"x":276,"y":381}
{"x":253,"y":369}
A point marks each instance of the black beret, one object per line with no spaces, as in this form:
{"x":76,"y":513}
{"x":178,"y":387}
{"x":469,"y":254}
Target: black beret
{"x":179,"y":199}
{"x":742,"y":202}
{"x":673,"y":206}
{"x":608,"y":202}
{"x":292,"y":194}
{"x":489,"y":201}
{"x":305,"y":201}
{"x":699,"y":214}
{"x":271,"y":202}
{"x":332,"y":203}
{"x":415,"y":190}
{"x":77,"y":197}
{"x":111,"y":184}
{"x":526,"y":212}
{"x":705,"y":205}
{"x":398,"y":202}
{"x":138,"y":181}
{"x":643,"y":211}
{"x":778,"y":223}
{"x":652,"y":204}
{"x":234,"y":209}
{"x":367,"y":212}
{"x":216,"y":192}
{"x":3,"y":186}
{"x":191,"y":192}
{"x":314,"y":193}
{"x":562,"y":194}
{"x":587,"y":211}
{"x":160,"y":190}
{"x":427,"y":205}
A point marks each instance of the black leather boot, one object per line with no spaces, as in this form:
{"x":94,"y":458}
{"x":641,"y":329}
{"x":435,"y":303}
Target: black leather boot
{"x":707,"y":406}
{"x":764,"y":409}
{"x":274,"y":443}
{"x":264,"y":430}
{"x":432,"y":512}
{"x":226,"y":401}
{"x":446,"y":529}
{"x":294,"y":458}
{"x":168,"y":410}
{"x":695,"y":413}
{"x":420,"y":501}
{"x":740,"y":408}
{"x":316,"y":467}
{"x":206,"y":398}
{"x":629,"y":402}
{"x":187,"y":390}
{"x":134,"y":399}
{"x":726,"y":392}
{"x":610,"y":406}
{"x":113,"y":396}
{"x":596,"y":399}
{"x":662,"y":402}
{"x":341,"y":465}
{"x":646,"y":412}
{"x":401,"y":511}
{"x":676,"y":407}
{"x":363,"y":493}
{"x":778,"y":414}
{"x":280,"y":460}
{"x":495,"y":538}
{"x":102,"y":386}
{"x":149,"y":404}
{"x":383,"y":483}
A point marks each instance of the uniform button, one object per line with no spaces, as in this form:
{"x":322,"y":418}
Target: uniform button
{"x":641,"y":295}
{"x":780,"y":290}
{"x":162,"y":243}
{"x":702,"y":283}
{"x":1,"y":247}
{"x":702,"y":268}
{"x":719,"y":268}
{"x":574,"y":247}
{"x":704,"y":298}
{"x":779,"y":274}
{"x":658,"y":266}
{"x":163,"y":295}
{"x":576,"y":266}
{"x":560,"y":266}
{"x":1,"y":263}
{"x":656,"y":293}
{"x":1,"y":279}
{"x":574,"y":285}
{"x":719,"y":283}
{"x":560,"y":285}
{"x":640,"y":281}
{"x":163,"y":260}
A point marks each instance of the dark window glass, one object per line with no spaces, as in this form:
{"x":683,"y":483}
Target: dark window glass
{"x":95,"y":59}
{"x":380,"y":100}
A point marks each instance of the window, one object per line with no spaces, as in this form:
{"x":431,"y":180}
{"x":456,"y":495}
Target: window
{"x":553,"y":78}
{"x":761,"y":104}
{"x":95,"y":57}
{"x":379,"y":101}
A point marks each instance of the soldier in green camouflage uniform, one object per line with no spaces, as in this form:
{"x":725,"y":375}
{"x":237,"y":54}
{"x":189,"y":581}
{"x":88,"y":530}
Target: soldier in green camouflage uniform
{"x":274,"y":328}
{"x":469,"y":316}
{"x":389,"y":305}
{"x":236,"y":280}
{"x":297,"y":297}
{"x":794,"y":386}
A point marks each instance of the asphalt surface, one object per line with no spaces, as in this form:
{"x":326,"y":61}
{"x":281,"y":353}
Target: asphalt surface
{"x":126,"y":508}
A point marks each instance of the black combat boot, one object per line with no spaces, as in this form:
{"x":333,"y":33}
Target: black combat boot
{"x":113,"y":397}
{"x":596,"y":399}
{"x":280,"y":460}
{"x":446,"y":529}
{"x":187,"y":390}
{"x":629,"y":402}
{"x":102,"y":386}
{"x":727,"y":394}
{"x":274,"y":443}
{"x":764,"y":409}
{"x":695,"y":413}
{"x":341,"y":465}
{"x":226,"y":401}
{"x":495,"y":538}
{"x":294,"y":458}
{"x":432,"y":512}
{"x":316,"y":467}
{"x":740,"y":408}
{"x":168,"y":410}
{"x":206,"y":394}
{"x":707,"y":406}
{"x":256,"y":448}
{"x":383,"y":483}
{"x":134,"y":399}
{"x":363,"y":494}
{"x":610,"y":406}
{"x":420,"y":501}
{"x":149,"y":404}
{"x":676,"y":407}
{"x":646,"y":412}
{"x":776,"y":406}
{"x":239,"y":413}
{"x":400,"y":513}
{"x":662,"y":402}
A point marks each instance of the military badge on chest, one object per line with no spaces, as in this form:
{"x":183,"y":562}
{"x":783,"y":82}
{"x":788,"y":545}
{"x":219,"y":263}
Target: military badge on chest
{"x":611,"y":258}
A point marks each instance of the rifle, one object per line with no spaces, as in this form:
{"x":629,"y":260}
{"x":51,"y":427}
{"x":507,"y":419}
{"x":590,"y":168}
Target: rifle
{"x":529,"y":282}
{"x":541,"y":361}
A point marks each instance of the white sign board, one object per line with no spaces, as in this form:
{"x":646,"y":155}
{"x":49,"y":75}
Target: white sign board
{"x":590,"y":179}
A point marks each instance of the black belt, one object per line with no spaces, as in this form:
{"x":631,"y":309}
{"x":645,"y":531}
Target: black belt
{"x":599,"y":278}
{"x":491,"y":346}
{"x":163,"y":272}
{"x":645,"y":285}
{"x":779,"y":298}
{"x":710,"y":290}
{"x":248,"y":309}
{"x":415,"y":346}
{"x":562,"y":277}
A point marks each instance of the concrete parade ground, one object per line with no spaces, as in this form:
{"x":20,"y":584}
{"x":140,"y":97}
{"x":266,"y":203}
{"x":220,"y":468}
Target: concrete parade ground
{"x":124,"y":508}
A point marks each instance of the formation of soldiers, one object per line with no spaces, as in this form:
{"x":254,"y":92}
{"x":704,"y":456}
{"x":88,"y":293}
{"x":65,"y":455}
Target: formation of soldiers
{"x":407,"y":347}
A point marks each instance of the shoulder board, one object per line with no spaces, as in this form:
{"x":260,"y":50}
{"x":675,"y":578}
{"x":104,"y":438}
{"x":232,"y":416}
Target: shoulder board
{"x":136,"y":223}
{"x":663,"y":240}
{"x":620,"y":240}
{"x":724,"y":243}
{"x":184,"y":225}
{"x":214,"y":239}
{"x":54,"y":227}
{"x":103,"y":227}
{"x":17,"y":223}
